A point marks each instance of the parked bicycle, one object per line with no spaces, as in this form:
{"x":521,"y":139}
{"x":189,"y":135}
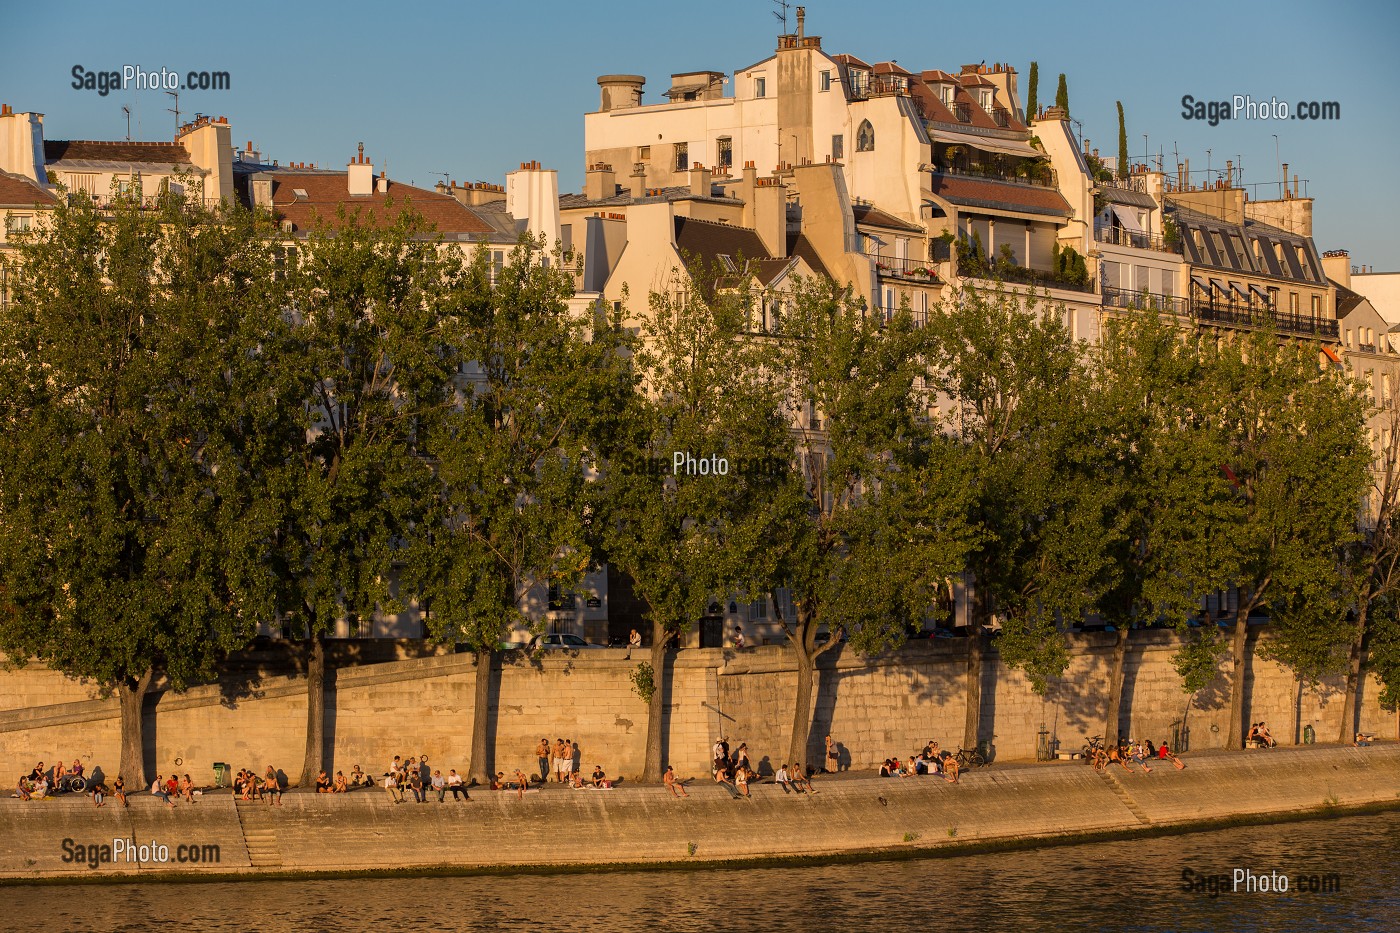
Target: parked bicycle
{"x":970,"y":758}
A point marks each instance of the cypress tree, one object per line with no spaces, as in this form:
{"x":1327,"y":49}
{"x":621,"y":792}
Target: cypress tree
{"x":1122,"y":144}
{"x":1031,"y":95}
{"x":1062,"y":95}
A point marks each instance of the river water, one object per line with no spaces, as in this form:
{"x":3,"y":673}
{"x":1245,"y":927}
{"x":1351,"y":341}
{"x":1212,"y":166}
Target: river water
{"x":1130,"y":885}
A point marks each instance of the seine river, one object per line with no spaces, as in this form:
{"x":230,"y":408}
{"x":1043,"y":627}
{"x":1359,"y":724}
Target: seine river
{"x":1135,"y":886}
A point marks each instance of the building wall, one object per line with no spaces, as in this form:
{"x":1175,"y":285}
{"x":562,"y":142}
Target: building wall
{"x":889,"y":705}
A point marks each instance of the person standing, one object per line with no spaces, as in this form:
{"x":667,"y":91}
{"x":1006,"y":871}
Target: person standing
{"x":575,"y":760}
{"x":833,"y":757}
{"x":741,"y":757}
{"x":542,"y":754}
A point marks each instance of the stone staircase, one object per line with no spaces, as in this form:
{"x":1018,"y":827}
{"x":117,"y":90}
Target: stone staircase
{"x":1121,"y":793}
{"x":260,"y":833}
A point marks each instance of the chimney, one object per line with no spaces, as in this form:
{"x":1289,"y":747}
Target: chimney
{"x":22,"y":145}
{"x":638,"y":186}
{"x":1295,"y":184}
{"x":801,"y":23}
{"x":532,"y":195}
{"x":383,"y":185}
{"x":699,"y":181}
{"x":1230,"y":173}
{"x":770,"y":214}
{"x":620,"y":91}
{"x":599,"y":182}
{"x":1336,"y":265}
{"x":359,"y":175}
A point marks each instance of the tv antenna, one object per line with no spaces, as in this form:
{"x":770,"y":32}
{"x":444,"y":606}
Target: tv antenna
{"x":127,"y":110}
{"x":781,"y":14}
{"x":176,"y":109}
{"x":443,"y":175}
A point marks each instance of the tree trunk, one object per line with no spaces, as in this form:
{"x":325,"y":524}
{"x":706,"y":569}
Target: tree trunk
{"x":132,"y":696}
{"x":802,"y":705}
{"x":656,"y":709}
{"x":1115,"y":688}
{"x":315,"y":710}
{"x":1347,"y":733}
{"x":972,"y":725}
{"x":481,"y":763}
{"x":1235,"y":736}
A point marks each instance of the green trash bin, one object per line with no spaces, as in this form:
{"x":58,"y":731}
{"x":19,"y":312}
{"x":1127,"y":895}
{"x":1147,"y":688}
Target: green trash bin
{"x":221,"y":773}
{"x":1309,"y":734}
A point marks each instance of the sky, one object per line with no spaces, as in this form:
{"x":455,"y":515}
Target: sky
{"x":472,"y":90}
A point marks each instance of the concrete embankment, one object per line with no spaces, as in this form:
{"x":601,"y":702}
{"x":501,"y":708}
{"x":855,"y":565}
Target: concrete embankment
{"x":557,"y":828}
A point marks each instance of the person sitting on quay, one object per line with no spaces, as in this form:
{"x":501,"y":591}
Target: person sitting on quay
{"x":187,"y":788}
{"x":439,"y":785}
{"x":457,"y":786}
{"x":801,"y":780}
{"x":358,"y":778}
{"x":599,"y":778}
{"x":323,"y":783}
{"x":1164,"y":753}
{"x":521,"y":784}
{"x":119,"y":791}
{"x":99,"y":791}
{"x":672,"y":783}
{"x":158,"y":790}
{"x":783,"y":779}
{"x":1138,"y":754}
{"x":887,"y":769}
{"x":22,"y":789}
{"x":742,"y":776}
{"x":415,"y":785}
{"x":391,"y":787}
{"x":1364,"y":739}
{"x":723,"y":779}
{"x":340,"y":785}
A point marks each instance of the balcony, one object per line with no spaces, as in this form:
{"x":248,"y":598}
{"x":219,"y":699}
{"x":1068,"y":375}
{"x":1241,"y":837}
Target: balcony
{"x":917,"y":270}
{"x":1234,"y":314}
{"x":963,"y":111}
{"x":1020,"y":275}
{"x":1115,"y":297}
{"x":1119,"y":236}
{"x":1042,"y":176}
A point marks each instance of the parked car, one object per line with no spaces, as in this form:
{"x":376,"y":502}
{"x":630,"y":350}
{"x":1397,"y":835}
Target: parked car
{"x":560,"y":641}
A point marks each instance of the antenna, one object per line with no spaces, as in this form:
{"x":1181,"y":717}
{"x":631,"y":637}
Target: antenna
{"x":781,"y":13}
{"x":127,"y":110}
{"x":444,"y":175}
{"x":176,"y":109}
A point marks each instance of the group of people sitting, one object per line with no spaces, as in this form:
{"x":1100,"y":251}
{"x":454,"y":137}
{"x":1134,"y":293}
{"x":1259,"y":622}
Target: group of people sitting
{"x":1140,"y":753}
{"x":932,"y":759}
{"x":249,"y":786}
{"x":1259,"y":736}
{"x":417,"y":777}
{"x":41,"y":782}
{"x":169,"y":789}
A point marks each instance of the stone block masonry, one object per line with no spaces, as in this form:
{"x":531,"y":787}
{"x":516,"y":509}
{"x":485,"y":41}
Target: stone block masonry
{"x":874,"y":708}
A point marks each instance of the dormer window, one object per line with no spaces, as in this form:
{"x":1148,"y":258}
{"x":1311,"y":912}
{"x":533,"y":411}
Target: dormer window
{"x":984,"y":97}
{"x":947,"y":95}
{"x":760,"y":87}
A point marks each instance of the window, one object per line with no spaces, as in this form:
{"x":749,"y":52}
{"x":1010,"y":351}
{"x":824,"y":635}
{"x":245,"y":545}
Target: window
{"x":759,"y":609}
{"x":1316,"y":305}
{"x":1273,"y":298}
{"x":643,"y":153}
{"x":760,"y":87}
{"x":824,"y":82}
{"x":82,"y":182}
{"x":814,"y":419}
{"x":4,"y":286}
{"x":682,"y":157}
{"x":838,"y":147}
{"x":724,"y":156}
{"x":1293,"y":302}
{"x":498,"y":264}
{"x":865,"y":137}
{"x":947,"y":95}
{"x":17,"y":222}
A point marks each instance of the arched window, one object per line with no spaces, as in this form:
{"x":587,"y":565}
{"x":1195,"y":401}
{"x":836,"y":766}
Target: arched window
{"x":865,"y":137}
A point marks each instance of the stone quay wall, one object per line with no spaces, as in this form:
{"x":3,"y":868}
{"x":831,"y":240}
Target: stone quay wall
{"x":873,"y":708}
{"x":557,"y":828}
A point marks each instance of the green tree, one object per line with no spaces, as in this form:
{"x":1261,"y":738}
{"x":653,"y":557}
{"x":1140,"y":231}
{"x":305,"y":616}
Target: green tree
{"x":374,"y":368}
{"x":1166,"y":491}
{"x":886,"y":495}
{"x":1032,"y":90}
{"x":1292,"y":435}
{"x":1122,"y":144}
{"x":1062,"y":95}
{"x":138,"y":403}
{"x":1014,"y":385}
{"x":537,"y":408}
{"x":1372,"y":568}
{"x":710,"y":390}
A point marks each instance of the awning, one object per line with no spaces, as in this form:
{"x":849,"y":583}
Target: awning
{"x":987,"y":143}
{"x":1260,"y":292}
{"x":1331,"y":354}
{"x":1240,"y":290}
{"x":1201,"y":283}
{"x":1127,"y":216}
{"x":1219,"y":286}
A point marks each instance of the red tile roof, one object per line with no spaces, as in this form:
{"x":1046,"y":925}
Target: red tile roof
{"x":67,"y":150}
{"x":982,"y":192}
{"x":936,"y":76}
{"x":18,"y":191}
{"x":326,"y":191}
{"x":891,"y":68}
{"x":851,"y":61}
{"x":873,"y":216}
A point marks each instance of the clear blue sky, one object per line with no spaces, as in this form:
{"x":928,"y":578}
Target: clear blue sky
{"x":473,"y":90}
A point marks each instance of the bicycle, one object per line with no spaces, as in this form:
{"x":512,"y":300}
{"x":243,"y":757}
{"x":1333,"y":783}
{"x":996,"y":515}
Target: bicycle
{"x":1093,"y":748}
{"x":970,"y":758}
